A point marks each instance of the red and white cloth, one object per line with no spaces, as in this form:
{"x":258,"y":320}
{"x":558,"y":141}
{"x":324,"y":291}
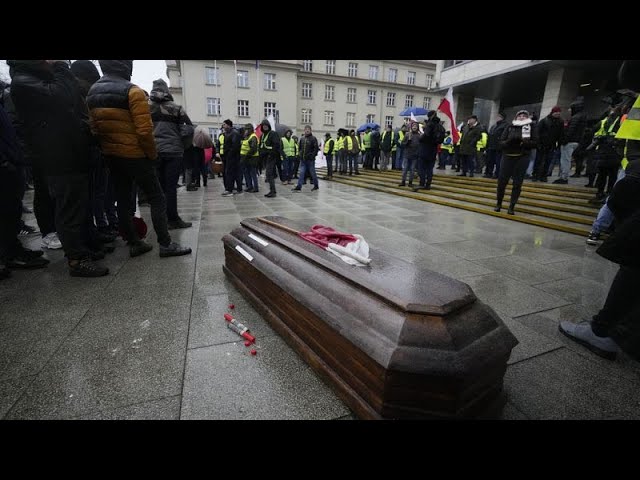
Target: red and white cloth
{"x":446,"y":107}
{"x":351,"y":248}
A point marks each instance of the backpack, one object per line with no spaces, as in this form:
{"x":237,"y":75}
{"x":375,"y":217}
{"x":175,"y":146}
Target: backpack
{"x":440,"y":134}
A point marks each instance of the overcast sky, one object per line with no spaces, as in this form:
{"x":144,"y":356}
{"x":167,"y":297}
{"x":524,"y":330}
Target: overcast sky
{"x":144,"y":72}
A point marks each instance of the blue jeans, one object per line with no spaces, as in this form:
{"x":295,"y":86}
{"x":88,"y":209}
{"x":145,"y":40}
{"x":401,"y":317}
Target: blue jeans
{"x":605,"y":215}
{"x":287,"y":167}
{"x":532,"y":161}
{"x":409,"y":166}
{"x":250,"y":176}
{"x":399,"y":158}
{"x":309,"y":165}
{"x":566,"y":151}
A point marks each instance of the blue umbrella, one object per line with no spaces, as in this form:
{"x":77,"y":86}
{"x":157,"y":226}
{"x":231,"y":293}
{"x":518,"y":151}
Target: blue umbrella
{"x":415,"y":110}
{"x":371,"y":125}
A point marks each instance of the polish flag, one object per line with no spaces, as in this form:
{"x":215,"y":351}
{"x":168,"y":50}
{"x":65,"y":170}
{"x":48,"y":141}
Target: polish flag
{"x":352,"y":249}
{"x":446,"y":107}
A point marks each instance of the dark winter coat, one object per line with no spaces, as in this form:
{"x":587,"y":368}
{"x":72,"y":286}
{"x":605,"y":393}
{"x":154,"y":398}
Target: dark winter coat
{"x":550,"y":132}
{"x":232,"y":144}
{"x":10,"y":151}
{"x":577,"y":124}
{"x":512,"y":143}
{"x":470,"y":137}
{"x":375,"y":140}
{"x":495,"y":132}
{"x":47,"y":100}
{"x":430,"y":132}
{"x":412,"y":145}
{"x":308,"y":148}
{"x":386,"y":141}
{"x":169,"y":120}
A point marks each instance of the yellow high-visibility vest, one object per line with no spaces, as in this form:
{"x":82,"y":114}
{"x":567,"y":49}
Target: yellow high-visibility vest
{"x":221,"y":140}
{"x":329,"y":142}
{"x":289,"y":147}
{"x":244,"y":146}
{"x":630,"y":128}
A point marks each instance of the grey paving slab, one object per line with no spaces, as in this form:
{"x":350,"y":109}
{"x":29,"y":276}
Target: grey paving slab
{"x":472,"y":250}
{"x":539,"y":254}
{"x":510,"y":412}
{"x":210,"y":280}
{"x":455,"y":268}
{"x":578,"y":290}
{"x":524,"y":270}
{"x":531,"y":343}
{"x":563,"y":385}
{"x":510,"y":296}
{"x":430,"y":236}
{"x":226,"y":382}
{"x":599,"y":270}
{"x":208,"y":326}
{"x":10,"y":391}
{"x":162,"y":409}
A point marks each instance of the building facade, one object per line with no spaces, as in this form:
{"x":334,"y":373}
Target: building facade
{"x":485,"y":87}
{"x":326,"y":94}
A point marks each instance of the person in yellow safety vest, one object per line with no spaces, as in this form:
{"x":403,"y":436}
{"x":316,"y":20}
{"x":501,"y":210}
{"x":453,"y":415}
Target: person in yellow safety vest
{"x":356,"y":150}
{"x":399,"y":157}
{"x":249,"y":159}
{"x":394,"y":149}
{"x":220,"y":154}
{"x":456,"y":152}
{"x":329,"y":147}
{"x":339,"y":152}
{"x":481,"y":146}
{"x":347,"y":143}
{"x":446,"y":150}
{"x":606,"y":156}
{"x":386,"y":143}
{"x":289,"y":148}
{"x":296,"y":161}
{"x":615,"y":327}
{"x":367,"y":149}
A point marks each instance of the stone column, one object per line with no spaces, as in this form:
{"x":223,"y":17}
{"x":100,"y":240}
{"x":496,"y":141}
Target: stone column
{"x":561,"y":89}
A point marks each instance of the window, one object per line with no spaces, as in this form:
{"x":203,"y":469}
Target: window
{"x":353,"y":69}
{"x":306,"y":115}
{"x":429,"y":80}
{"x":373,"y":72}
{"x":269,"y":109}
{"x":243,"y":79}
{"x":371,"y":97}
{"x":213,"y":132}
{"x":328,"y":117}
{"x":331,"y":67}
{"x":306,"y":90}
{"x":351,"y":95}
{"x":392,"y":75}
{"x":213,"y":75}
{"x":269,"y":81}
{"x":243,"y":108}
{"x":307,"y":65}
{"x":427,"y":103}
{"x":371,"y":118}
{"x":213,"y":106}
{"x":408,"y":101}
{"x":391,"y":99}
{"x":388,"y":121}
{"x":411,"y":78}
{"x":451,"y":63}
{"x":329,"y":92}
{"x":351,"y":119}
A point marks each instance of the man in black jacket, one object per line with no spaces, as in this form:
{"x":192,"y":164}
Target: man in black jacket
{"x":47,"y":98}
{"x":572,"y":137}
{"x":550,"y":137}
{"x":232,"y":165}
{"x":471,"y":135}
{"x":308,"y":152}
{"x":432,"y":130}
{"x":270,"y":151}
{"x":494,"y":154}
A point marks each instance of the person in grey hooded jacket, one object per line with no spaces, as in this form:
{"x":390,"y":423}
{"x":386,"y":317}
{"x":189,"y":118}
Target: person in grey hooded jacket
{"x":170,"y":124}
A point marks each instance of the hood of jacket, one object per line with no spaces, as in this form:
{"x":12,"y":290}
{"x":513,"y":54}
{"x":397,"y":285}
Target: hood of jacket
{"x":118,"y":68}
{"x":160,"y":91}
{"x":265,"y":123}
{"x":39,"y":68}
{"x":576,"y":107}
{"x":520,"y":123}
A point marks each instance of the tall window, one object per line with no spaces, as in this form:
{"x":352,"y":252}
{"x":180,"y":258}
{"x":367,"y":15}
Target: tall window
{"x":351,"y":95}
{"x":392,"y":75}
{"x":373,"y":72}
{"x":331,"y":67}
{"x":411,"y":78}
{"x":408,"y":101}
{"x":306,"y":90}
{"x":213,"y":106}
{"x":353,"y":69}
{"x":243,"y":79}
{"x":429,"y":80}
{"x":213,"y":131}
{"x":329,"y":92}
{"x":427,"y":103}
{"x":306,"y":115}
{"x":388,"y":121}
{"x":307,"y":65}
{"x":391,"y":99}
{"x":371,"y":118}
{"x":243,"y":108}
{"x":269,"y":81}
{"x":328,"y":117}
{"x":269,"y":109}
{"x":212,"y":75}
{"x":371,"y":97}
{"x":351,"y":119}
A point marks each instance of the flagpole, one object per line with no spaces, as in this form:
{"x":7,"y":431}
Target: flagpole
{"x":258,"y":89}
{"x":235,"y":67}
{"x":215,"y":69}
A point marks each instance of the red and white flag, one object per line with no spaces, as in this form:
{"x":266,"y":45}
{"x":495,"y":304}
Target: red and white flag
{"x":351,"y":248}
{"x":446,"y":107}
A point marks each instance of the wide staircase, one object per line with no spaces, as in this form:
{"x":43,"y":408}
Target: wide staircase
{"x":560,"y":207}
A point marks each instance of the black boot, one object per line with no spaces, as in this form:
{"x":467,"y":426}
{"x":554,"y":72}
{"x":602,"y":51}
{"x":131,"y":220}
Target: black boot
{"x":498,"y":207}
{"x":511,"y":210}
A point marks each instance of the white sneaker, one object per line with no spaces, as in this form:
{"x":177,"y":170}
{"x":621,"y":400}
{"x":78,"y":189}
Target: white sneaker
{"x":51,"y":241}
{"x":583,"y":334}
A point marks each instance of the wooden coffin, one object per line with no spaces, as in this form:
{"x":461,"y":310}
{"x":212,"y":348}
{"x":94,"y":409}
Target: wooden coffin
{"x":393,"y":340}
